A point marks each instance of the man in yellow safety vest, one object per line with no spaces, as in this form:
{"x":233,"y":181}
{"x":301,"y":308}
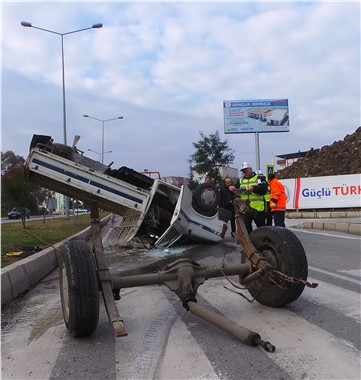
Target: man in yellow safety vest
{"x":252,"y":188}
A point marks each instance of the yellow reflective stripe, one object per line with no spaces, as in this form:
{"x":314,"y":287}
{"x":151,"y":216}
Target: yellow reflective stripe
{"x":252,"y":197}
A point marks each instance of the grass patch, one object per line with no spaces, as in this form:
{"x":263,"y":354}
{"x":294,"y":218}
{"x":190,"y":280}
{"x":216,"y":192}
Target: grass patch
{"x":15,"y":239}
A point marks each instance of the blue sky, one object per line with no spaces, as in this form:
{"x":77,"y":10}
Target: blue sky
{"x":167,"y":67}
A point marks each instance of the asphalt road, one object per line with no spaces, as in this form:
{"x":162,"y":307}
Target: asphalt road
{"x":316,"y":337}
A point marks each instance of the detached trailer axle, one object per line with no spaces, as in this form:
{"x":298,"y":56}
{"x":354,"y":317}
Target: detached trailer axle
{"x":183,"y":277}
{"x":268,"y":253}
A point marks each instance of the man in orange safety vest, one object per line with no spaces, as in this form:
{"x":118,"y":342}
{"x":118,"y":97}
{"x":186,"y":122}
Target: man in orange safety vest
{"x":278,"y":200}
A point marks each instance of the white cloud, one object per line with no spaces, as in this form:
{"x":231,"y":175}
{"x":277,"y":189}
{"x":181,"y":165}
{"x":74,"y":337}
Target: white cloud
{"x":167,"y":67}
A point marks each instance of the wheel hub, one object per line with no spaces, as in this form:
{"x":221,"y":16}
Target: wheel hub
{"x":208,"y":196}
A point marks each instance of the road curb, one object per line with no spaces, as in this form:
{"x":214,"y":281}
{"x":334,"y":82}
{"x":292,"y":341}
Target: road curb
{"x":350,"y":228}
{"x":323,"y":214}
{"x":18,"y":277}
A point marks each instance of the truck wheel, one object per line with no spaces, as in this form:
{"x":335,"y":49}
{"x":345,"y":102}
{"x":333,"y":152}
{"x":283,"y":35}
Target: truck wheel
{"x":206,"y":196}
{"x":79,"y":289}
{"x":283,"y":250}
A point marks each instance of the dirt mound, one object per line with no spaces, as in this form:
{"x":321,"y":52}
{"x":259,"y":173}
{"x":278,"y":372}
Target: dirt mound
{"x":342,"y":157}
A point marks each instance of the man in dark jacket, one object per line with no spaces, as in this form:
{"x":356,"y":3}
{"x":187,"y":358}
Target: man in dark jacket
{"x":226,"y":202}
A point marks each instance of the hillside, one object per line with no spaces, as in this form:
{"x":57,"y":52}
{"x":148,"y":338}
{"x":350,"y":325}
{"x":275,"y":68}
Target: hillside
{"x":342,"y":157}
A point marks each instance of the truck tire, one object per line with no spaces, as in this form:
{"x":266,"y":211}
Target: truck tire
{"x":283,"y":250}
{"x":79,"y":288}
{"x":206,"y":197}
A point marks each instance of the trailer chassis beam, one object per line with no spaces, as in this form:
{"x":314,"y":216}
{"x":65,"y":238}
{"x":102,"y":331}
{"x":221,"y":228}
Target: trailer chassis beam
{"x":103,"y":272}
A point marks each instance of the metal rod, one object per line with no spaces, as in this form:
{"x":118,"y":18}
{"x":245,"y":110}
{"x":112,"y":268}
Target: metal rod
{"x":245,"y":335}
{"x":160,"y":278}
{"x":258,"y":166}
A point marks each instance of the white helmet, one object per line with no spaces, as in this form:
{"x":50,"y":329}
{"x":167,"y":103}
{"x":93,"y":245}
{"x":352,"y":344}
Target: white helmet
{"x":245,"y":165}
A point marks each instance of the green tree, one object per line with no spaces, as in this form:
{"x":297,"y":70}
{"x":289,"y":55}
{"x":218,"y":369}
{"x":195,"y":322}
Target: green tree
{"x":15,"y":190}
{"x":211,"y":154}
{"x":10,"y":159}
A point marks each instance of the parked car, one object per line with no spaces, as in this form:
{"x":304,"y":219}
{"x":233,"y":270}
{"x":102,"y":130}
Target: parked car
{"x":15,"y":213}
{"x":79,"y":211}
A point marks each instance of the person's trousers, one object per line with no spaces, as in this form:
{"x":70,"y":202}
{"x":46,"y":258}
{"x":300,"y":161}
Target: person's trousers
{"x":268,"y":215}
{"x":260,"y":220}
{"x":279,"y":218}
{"x":232,"y":219}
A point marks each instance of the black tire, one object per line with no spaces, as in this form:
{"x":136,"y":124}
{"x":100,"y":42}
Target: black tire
{"x":283,"y":250}
{"x":206,"y":196}
{"x":79,"y":289}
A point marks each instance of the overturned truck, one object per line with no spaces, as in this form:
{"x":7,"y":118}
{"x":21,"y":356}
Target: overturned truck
{"x":273,"y":264}
{"x":153,"y":212}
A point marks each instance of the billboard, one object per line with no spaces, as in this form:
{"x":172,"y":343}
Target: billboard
{"x":342,"y":191}
{"x":247,"y":116}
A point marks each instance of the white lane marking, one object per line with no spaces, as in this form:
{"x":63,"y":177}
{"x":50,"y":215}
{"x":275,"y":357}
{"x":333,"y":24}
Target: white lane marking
{"x":336,"y":275}
{"x":325,"y":234}
{"x":183,"y":350}
{"x":335,"y":298}
{"x":353,"y":272}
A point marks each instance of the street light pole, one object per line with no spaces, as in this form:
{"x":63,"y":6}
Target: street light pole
{"x":94,"y":26}
{"x":63,"y":75}
{"x":99,"y":153}
{"x":103,"y":141}
{"x":103,"y":122}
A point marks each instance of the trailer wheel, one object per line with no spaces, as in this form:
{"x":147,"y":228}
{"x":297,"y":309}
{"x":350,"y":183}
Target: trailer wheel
{"x":79,"y":289}
{"x":283,"y":250}
{"x":206,"y":196}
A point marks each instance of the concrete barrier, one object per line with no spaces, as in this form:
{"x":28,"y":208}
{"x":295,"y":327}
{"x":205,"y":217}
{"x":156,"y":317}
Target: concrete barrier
{"x":354,"y":229}
{"x":323,"y":214}
{"x":21,"y":276}
{"x":349,"y":228}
